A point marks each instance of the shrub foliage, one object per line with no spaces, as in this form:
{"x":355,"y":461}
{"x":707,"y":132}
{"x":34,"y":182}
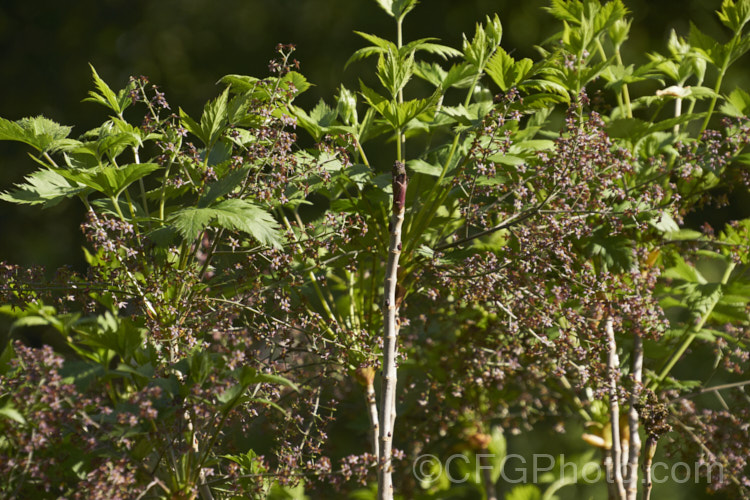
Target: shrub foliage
{"x":501,"y":242}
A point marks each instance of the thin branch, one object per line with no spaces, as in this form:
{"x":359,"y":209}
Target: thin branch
{"x":715,"y":388}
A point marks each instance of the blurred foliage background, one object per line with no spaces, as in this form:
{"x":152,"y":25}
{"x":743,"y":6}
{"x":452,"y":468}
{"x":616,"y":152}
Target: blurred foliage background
{"x":185,"y":46}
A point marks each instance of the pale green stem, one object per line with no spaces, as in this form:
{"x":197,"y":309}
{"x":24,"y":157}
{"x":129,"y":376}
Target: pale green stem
{"x":141,"y":185}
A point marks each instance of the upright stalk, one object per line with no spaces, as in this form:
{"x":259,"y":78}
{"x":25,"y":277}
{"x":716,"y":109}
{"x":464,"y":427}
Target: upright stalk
{"x":613,"y":363}
{"x":390,"y":333}
{"x":401,"y":139}
{"x":631,"y":472}
{"x":647,"y":463}
{"x":366,"y":377}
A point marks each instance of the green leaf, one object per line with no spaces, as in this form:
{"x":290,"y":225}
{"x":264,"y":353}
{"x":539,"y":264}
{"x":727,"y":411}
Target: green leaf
{"x":214,"y":120}
{"x":106,"y":97}
{"x":223,"y":186}
{"x":233,"y":214}
{"x":459,"y":75}
{"x":107,"y":179}
{"x":706,"y":46}
{"x":308,"y":123}
{"x":379,"y":45}
{"x":590,"y":15}
{"x":684,"y":271}
{"x":323,"y":115}
{"x":664,"y":223}
{"x":296,"y":80}
{"x":734,"y":14}
{"x":565,"y":10}
{"x":486,"y":40}
{"x":12,"y":414}
{"x":241,"y":83}
{"x":109,"y":332}
{"x":112,"y":145}
{"x":397,"y":9}
{"x":43,"y":187}
{"x":398,"y":114}
{"x":191,"y":125}
{"x":532,"y":145}
{"x":378,"y":102}
{"x":248,"y":376}
{"x":395,"y":72}
{"x":426,"y":45}
{"x":505,"y":71}
{"x":28,"y":321}
{"x":422,"y":167}
{"x":39,"y":132}
{"x":737,"y":104}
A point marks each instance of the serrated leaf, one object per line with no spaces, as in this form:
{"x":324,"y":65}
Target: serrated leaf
{"x":214,"y":119}
{"x":191,"y":125}
{"x":241,"y":83}
{"x":686,"y":272}
{"x":43,"y":187}
{"x":323,"y":115}
{"x":459,"y":75}
{"x":486,"y":40}
{"x":39,"y":132}
{"x":106,"y":97}
{"x":395,"y":72}
{"x":296,"y":80}
{"x":306,"y":122}
{"x":223,"y":186}
{"x":397,"y":9}
{"x":378,"y":102}
{"x":734,"y":14}
{"x":107,"y":179}
{"x":233,"y":214}
{"x":427,"y":45}
{"x":565,"y":10}
{"x":505,"y":71}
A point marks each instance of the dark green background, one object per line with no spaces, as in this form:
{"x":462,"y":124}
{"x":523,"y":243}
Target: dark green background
{"x":187,"y":45}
